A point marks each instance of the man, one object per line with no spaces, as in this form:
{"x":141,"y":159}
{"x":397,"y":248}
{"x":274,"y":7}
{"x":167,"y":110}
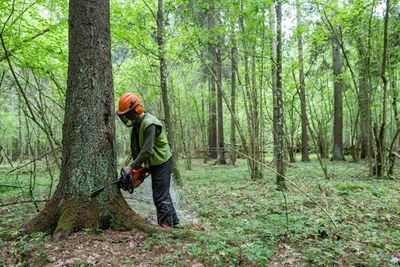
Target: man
{"x":149,"y":147}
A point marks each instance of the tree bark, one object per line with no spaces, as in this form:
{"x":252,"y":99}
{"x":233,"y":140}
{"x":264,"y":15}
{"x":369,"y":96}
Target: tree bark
{"x":89,"y":158}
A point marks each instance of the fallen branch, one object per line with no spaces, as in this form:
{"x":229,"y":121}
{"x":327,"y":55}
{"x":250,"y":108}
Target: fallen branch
{"x":4,"y":155}
{"x":23,"y":202}
{"x":9,"y":185}
{"x":396,"y":154}
{"x":33,"y":160}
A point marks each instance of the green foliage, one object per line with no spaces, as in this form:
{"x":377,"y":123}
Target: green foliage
{"x":27,"y":250}
{"x":17,"y":187}
{"x":127,"y":262}
{"x":79,"y":263}
{"x":35,"y":33}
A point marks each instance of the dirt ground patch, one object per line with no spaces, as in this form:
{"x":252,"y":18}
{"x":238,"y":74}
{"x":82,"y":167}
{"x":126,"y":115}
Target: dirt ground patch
{"x":106,"y":249}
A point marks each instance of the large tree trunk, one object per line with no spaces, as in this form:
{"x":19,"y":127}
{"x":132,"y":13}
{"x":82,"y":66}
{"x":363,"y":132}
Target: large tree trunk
{"x":337,"y":152}
{"x":89,"y":158}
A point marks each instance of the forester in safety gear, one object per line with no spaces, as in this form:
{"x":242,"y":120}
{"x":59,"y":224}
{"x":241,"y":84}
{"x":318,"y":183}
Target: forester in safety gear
{"x":149,"y":147}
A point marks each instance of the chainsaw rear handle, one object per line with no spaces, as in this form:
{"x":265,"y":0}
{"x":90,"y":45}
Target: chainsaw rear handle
{"x":126,"y":181}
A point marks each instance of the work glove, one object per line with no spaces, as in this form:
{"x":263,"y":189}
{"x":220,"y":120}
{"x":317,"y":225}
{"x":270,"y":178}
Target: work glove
{"x":126,"y":181}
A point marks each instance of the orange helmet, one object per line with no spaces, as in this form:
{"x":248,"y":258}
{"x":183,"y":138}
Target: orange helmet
{"x":127,"y":102}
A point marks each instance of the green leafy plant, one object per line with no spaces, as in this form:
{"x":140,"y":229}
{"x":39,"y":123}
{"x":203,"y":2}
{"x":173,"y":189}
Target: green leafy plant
{"x":27,"y":249}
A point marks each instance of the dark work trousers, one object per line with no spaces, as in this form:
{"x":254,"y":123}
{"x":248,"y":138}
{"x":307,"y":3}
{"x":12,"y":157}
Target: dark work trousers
{"x":161,"y":182}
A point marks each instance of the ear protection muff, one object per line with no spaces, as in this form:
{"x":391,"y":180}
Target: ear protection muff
{"x":139,"y":109}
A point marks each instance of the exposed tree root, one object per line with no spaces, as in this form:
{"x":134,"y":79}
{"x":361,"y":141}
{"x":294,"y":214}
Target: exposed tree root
{"x":62,"y":217}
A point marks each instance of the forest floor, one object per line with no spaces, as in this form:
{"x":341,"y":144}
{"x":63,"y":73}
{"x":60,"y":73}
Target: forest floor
{"x":349,"y":219}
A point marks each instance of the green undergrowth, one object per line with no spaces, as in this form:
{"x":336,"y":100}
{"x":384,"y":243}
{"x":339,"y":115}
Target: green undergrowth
{"x":349,"y":219}
{"x":22,"y":195}
{"x":248,"y":222}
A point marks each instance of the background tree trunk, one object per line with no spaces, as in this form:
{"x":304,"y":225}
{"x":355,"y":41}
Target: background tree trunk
{"x":89,"y":158}
{"x":366,"y":136}
{"x":218,"y":76}
{"x":212,"y":123}
{"x":302,"y":89}
{"x":164,"y":89}
{"x":233,"y":154}
{"x":337,"y":152}
{"x":250,"y":95}
{"x":212,"y":120}
{"x":279,"y":148}
{"x":273,"y":57}
{"x":220,"y":115}
{"x":255,"y":120}
{"x":380,"y":138}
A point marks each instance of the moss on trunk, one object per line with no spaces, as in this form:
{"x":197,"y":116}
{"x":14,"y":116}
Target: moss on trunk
{"x":76,"y":214}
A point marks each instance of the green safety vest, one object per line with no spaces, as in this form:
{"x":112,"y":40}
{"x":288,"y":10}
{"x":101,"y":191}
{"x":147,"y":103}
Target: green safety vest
{"x":162,"y":151}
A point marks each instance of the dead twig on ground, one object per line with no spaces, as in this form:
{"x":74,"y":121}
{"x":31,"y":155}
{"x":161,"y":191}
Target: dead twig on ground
{"x":22,"y":202}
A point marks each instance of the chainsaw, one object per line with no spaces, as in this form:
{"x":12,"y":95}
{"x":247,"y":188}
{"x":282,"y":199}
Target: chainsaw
{"x":127,"y":181}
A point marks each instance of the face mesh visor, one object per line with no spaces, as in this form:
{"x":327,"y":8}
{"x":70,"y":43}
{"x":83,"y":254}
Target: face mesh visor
{"x":128,"y":122}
